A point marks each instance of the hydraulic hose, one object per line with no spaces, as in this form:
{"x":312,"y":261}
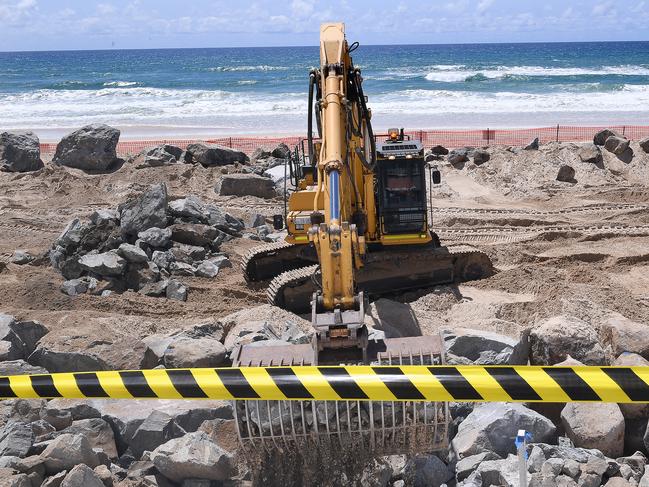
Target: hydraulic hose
{"x":312,"y":81}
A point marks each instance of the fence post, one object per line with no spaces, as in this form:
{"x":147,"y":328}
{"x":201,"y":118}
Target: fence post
{"x":623,"y":129}
{"x":557,"y":132}
{"x":488,"y":135}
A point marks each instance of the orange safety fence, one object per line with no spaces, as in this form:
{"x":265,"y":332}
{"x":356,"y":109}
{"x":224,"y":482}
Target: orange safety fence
{"x":448,"y":138}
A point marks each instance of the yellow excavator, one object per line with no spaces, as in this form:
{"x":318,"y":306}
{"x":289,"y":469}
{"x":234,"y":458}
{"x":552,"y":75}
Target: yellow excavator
{"x":358,"y":228}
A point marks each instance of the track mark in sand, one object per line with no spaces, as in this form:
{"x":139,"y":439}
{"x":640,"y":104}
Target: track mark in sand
{"x":523,"y":211}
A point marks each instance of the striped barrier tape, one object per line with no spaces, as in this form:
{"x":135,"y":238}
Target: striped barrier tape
{"x":376,"y":383}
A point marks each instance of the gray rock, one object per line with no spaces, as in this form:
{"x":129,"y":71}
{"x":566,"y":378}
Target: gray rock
{"x":176,"y":290}
{"x":20,"y":152}
{"x":82,"y":476}
{"x":618,"y":482}
{"x":426,"y":470}
{"x":439,"y":150}
{"x":184,"y":352}
{"x":106,"y":264}
{"x":193,"y":456}
{"x":19,"y":367}
{"x":66,"y":361}
{"x":193,"y":234}
{"x":617,"y":145}
{"x":91,"y":148}
{"x":66,"y":451}
{"x":16,"y":439}
{"x":149,"y":210}
{"x":602,"y":135}
{"x":132,"y":253}
{"x":163,"y":259}
{"x":492,"y":427}
{"x":155,"y":289}
{"x":558,"y":337}
{"x":500,"y":472}
{"x":486,"y":348}
{"x":71,"y":234}
{"x":214,"y":155}
{"x":191,"y":208}
{"x":256,"y":220}
{"x":590,"y":153}
{"x":98,"y":433}
{"x":259,"y":153}
{"x":156,"y":237}
{"x":21,"y":337}
{"x":8,"y":479}
{"x":21,"y":257}
{"x":187,"y":253}
{"x":207,"y":269}
{"x":220,"y":261}
{"x":644,"y":144}
{"x":282,"y":151}
{"x":535,"y":459}
{"x":591,"y":425}
{"x":139,"y":275}
{"x":566,"y":174}
{"x":534,"y":145}
{"x":60,"y":419}
{"x":157,"y":156}
{"x":571,"y":468}
{"x":466,"y":466}
{"x":458,"y":156}
{"x":181,"y":269}
{"x":156,"y":429}
{"x":623,"y":335}
{"x":245,"y":185}
{"x":105,"y":216}
{"x":480,"y":156}
{"x":105,"y":475}
{"x":74,"y":287}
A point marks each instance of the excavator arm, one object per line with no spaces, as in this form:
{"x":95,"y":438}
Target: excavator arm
{"x":337,"y":309}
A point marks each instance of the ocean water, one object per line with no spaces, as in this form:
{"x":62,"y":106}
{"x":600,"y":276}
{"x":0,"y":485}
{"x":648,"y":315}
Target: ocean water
{"x":149,"y":93}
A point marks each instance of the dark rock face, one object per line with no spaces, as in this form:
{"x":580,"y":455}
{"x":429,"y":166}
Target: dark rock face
{"x":617,"y":145}
{"x":566,"y":174}
{"x":245,"y":185}
{"x":534,"y":145}
{"x":458,"y":156}
{"x":480,"y":156}
{"x":644,"y":144}
{"x":20,"y":152}
{"x":590,"y":153}
{"x":91,"y":148}
{"x":602,"y":135}
{"x":439,"y":150}
{"x":160,"y":155}
{"x":147,"y":211}
{"x":214,"y":155}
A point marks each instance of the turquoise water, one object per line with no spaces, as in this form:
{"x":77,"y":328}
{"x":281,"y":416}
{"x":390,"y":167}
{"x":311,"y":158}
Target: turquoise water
{"x":263,"y":90}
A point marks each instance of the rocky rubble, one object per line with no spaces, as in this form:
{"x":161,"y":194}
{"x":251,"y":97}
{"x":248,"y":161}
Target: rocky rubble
{"x":147,"y":245}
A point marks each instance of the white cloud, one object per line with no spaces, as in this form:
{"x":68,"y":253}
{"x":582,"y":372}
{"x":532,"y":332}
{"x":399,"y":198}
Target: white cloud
{"x":105,"y":8}
{"x":302,"y":8}
{"x":483,"y":5}
{"x":601,"y":8}
{"x":15,"y":13}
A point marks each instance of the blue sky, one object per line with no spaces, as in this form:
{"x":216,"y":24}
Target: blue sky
{"x":87,"y":24}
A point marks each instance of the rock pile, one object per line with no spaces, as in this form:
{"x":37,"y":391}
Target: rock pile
{"x":207,"y":155}
{"x":146,"y":245}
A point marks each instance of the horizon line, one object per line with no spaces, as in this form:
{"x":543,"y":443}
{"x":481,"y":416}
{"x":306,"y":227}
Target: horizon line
{"x":315,"y":46}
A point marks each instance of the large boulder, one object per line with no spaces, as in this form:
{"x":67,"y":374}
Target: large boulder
{"x":190,"y":208}
{"x":644,"y":144}
{"x":590,"y":153}
{"x":106,"y":264}
{"x":66,"y":451}
{"x":595,"y":425}
{"x":458,"y":156}
{"x":602,"y":135}
{"x":193,"y":456}
{"x":493,"y":426}
{"x":426,"y":471}
{"x":21,"y":337}
{"x":624,"y":335}
{"x":16,"y":439}
{"x":187,"y":352}
{"x":20,"y":152}
{"x":82,"y":476}
{"x":465,"y":346}
{"x":566,"y":174}
{"x":91,"y":148}
{"x":214,"y":155}
{"x":617,"y":145}
{"x":194,"y":234}
{"x":245,"y":185}
{"x":98,"y":432}
{"x":159,"y":155}
{"x":561,"y":336}
{"x":66,"y":361}
{"x":156,"y":429}
{"x":149,"y":210}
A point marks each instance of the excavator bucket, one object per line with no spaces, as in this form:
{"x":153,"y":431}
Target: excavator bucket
{"x":379,"y":427}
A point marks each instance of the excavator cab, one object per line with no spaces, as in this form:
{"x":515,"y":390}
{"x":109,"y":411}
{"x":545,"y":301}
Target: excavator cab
{"x":401,"y":197}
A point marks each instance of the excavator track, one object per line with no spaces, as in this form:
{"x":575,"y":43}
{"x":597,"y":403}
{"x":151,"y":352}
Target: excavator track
{"x":267,"y":261}
{"x":386,"y":272}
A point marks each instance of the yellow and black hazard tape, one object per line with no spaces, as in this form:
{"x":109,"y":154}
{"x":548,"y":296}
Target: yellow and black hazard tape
{"x":376,"y":383}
